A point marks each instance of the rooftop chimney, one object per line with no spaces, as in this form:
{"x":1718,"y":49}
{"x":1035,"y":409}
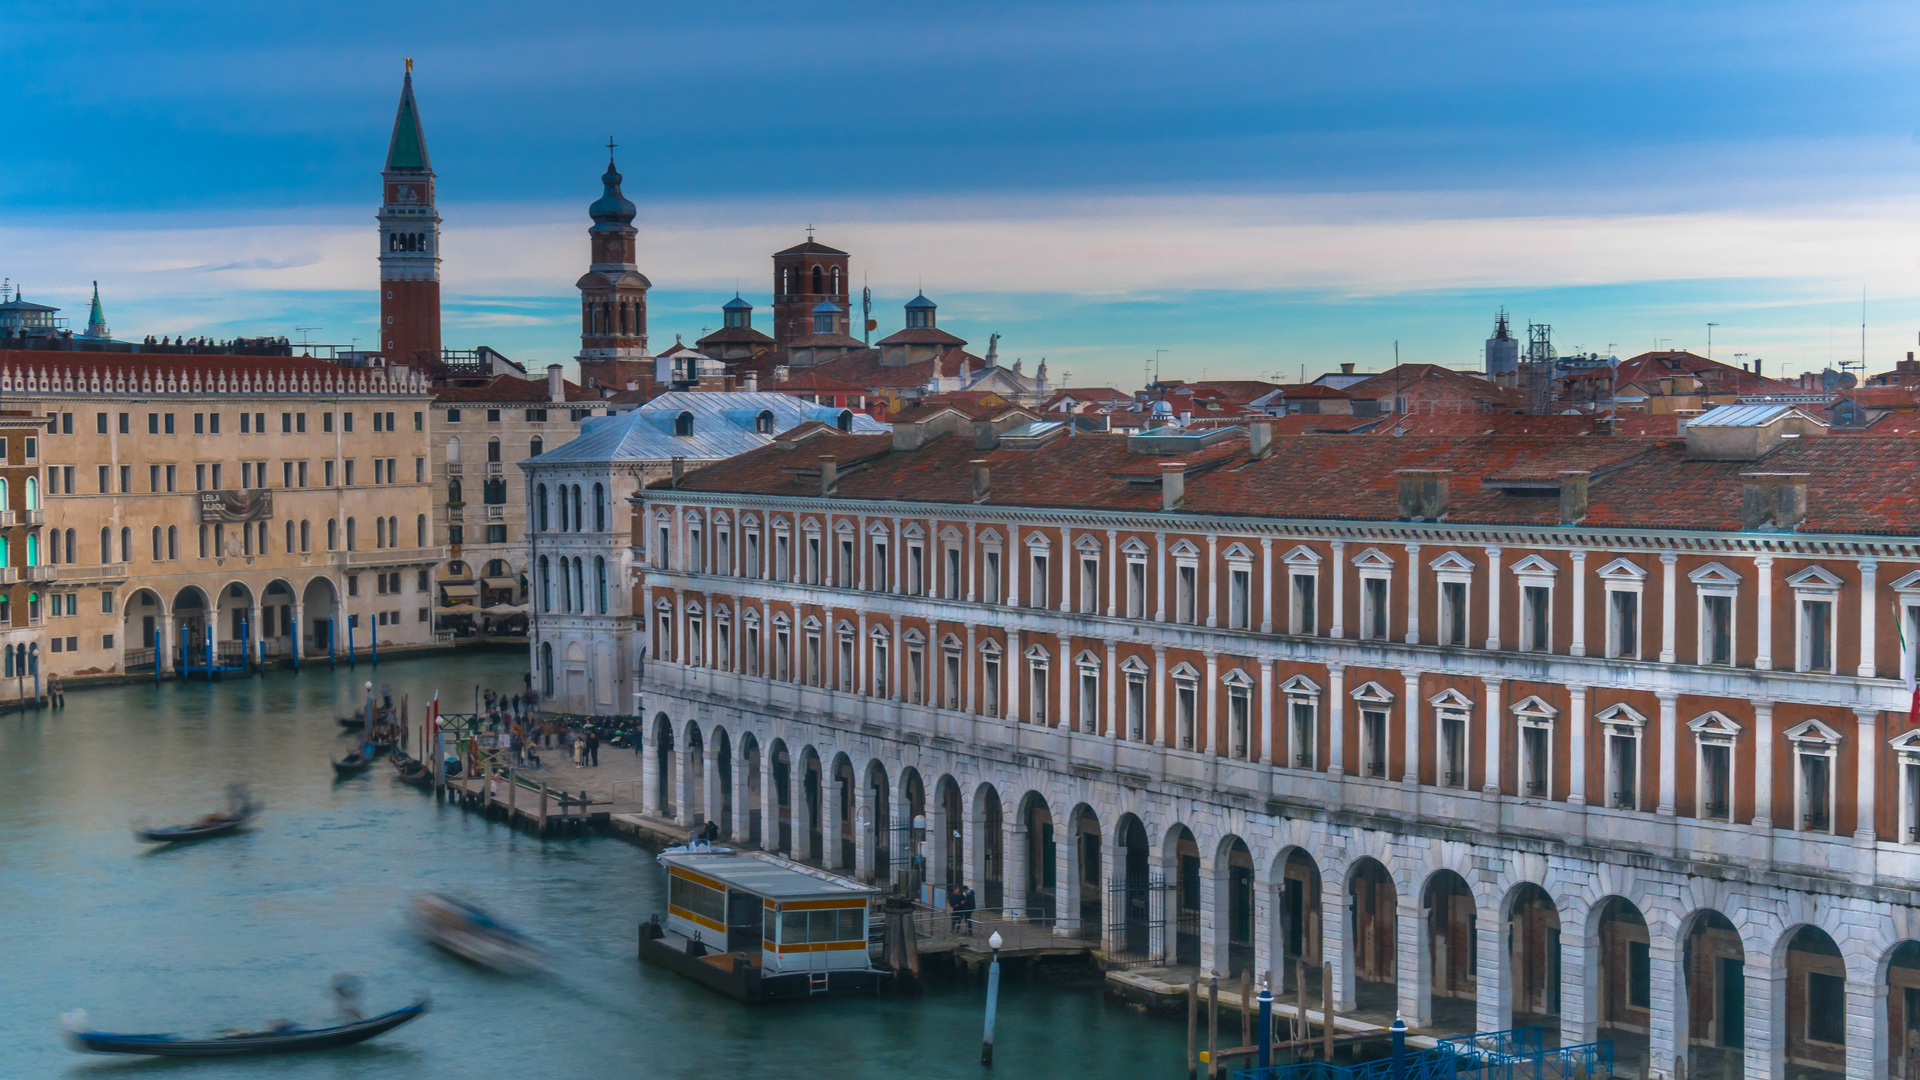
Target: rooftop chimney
{"x":980,"y":479}
{"x":1173,"y":485}
{"x":753,"y":383}
{"x":1346,"y":369}
{"x":1773,"y":501}
{"x":1423,"y":493}
{"x":1573,"y":495}
{"x":679,"y":470}
{"x":1756,"y":367}
{"x":556,"y":386}
{"x":1260,"y":440}
{"x":829,"y":473}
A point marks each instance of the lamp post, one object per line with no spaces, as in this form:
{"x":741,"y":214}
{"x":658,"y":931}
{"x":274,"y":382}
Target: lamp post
{"x":367,"y":732}
{"x":993,"y":997}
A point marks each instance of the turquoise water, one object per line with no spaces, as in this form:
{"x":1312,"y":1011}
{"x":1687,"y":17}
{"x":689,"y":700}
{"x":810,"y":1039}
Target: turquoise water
{"x":241,"y":930}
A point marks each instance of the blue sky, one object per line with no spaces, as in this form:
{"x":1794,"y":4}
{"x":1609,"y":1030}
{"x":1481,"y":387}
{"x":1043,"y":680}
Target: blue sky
{"x":1251,"y":187}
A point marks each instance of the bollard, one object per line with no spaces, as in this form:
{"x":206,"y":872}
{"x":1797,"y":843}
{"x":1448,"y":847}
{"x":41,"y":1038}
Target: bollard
{"x":1266,"y":1026}
{"x":1399,"y":1032}
{"x":1193,"y":1024}
{"x":993,"y":998}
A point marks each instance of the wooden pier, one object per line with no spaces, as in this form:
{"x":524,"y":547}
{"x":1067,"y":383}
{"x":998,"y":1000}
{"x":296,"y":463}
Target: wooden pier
{"x":538,"y":808}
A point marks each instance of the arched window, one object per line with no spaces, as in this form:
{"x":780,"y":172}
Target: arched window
{"x":33,"y":493}
{"x":546,"y":669}
{"x":156,"y":543}
{"x":818,"y":279}
{"x":393,"y":532}
{"x":846,"y":420}
{"x":562,"y":493}
{"x":786,"y":278}
{"x":600,"y":580}
{"x":126,"y":545}
{"x":579,"y":586}
{"x":73,"y":546}
{"x":290,"y":547}
{"x":566,"y":587}
{"x":333,"y":534}
{"x":540,"y":504}
{"x":454,"y":492}
{"x":536,"y":447}
{"x":106,"y":545}
{"x":203,"y":541}
{"x":493,"y":450}
{"x":453,"y":451}
{"x":353,"y":534}
{"x":305,"y":538}
{"x":763,"y":423}
{"x":261,"y":531}
{"x":683,"y":424}
{"x":579,"y":520}
{"x":173,"y":542}
{"x":599,"y":508}
{"x":379,"y":532}
{"x":33,"y":549}
{"x":420,"y":531}
{"x":546,"y":585}
{"x":836,"y":281}
{"x":4,"y":504}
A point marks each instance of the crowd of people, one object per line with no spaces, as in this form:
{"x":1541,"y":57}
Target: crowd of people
{"x":520,"y":728}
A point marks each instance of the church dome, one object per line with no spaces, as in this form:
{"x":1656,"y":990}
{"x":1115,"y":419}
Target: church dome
{"x":612,"y":207}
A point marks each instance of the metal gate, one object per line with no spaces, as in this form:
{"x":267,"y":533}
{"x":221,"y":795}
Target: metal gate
{"x":1137,"y":923}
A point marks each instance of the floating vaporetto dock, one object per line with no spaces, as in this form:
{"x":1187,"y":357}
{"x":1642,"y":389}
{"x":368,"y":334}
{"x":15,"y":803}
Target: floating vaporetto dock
{"x":758,"y":927}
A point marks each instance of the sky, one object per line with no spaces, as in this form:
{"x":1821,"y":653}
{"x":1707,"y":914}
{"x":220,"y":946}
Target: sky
{"x":1229,"y":190}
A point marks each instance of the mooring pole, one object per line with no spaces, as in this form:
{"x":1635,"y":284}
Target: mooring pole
{"x":1193,"y":1024}
{"x":1266,"y":1026}
{"x":1246,"y":1010}
{"x":1326,"y":1010}
{"x":1399,"y":1032}
{"x":993,"y":998}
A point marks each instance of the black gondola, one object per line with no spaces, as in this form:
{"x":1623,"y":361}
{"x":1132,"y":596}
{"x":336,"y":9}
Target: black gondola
{"x":279,"y":1040}
{"x":240,"y":809}
{"x":351,"y":722}
{"x":410,"y":769}
{"x":353,"y":764}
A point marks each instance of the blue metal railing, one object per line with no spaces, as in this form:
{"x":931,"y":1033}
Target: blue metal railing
{"x":1517,"y":1054}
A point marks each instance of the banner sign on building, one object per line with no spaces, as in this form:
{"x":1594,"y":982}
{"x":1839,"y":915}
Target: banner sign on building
{"x":235,"y":506}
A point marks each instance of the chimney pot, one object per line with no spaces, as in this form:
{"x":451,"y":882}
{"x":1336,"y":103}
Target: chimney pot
{"x":1173,"y":485}
{"x":981,"y":477}
{"x":1573,"y":495}
{"x":1773,"y":501}
{"x":556,"y":386}
{"x":1260,"y":438}
{"x":679,"y":470}
{"x":1346,"y":369}
{"x":753,"y":383}
{"x":829,"y":473}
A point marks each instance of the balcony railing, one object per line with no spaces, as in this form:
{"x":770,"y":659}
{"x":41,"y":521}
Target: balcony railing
{"x":1303,"y":761}
{"x":1715,"y":810}
{"x":1537,"y":788}
{"x":40,"y":573}
{"x":496,"y":513}
{"x":1376,"y":768}
{"x":496,"y":468}
{"x":6,"y":518}
{"x":1623,"y":800}
{"x":1816,"y":822}
{"x":33,"y":517}
{"x":1456,"y":779}
{"x":389,"y":556}
{"x":8,"y":575}
{"x":453,"y":468}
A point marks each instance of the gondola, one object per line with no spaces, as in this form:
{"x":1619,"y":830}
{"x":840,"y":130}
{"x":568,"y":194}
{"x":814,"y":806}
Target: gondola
{"x":352,"y":722}
{"x":286,"y":1039}
{"x":352,"y":765}
{"x":410,"y":769}
{"x":240,"y":809}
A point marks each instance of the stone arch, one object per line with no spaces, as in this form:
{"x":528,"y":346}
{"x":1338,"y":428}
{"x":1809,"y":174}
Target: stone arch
{"x":722,"y":810}
{"x":1082,"y":893}
{"x":876,"y":838}
{"x":1134,"y":897}
{"x":1180,"y":860}
{"x":989,"y":854}
{"x":191,"y":610}
{"x":1619,"y":976}
{"x":1530,"y":962}
{"x":144,"y":634}
{"x":779,"y":829}
{"x":948,"y":860}
{"x":1039,"y":873}
{"x":1234,"y":922}
{"x":1897,"y":1010}
{"x":692,"y":780}
{"x":841,"y":787}
{"x":663,"y":745}
{"x":1708,"y":953}
{"x":915,"y":827}
{"x":1813,"y":1024}
{"x":810,"y":805}
{"x":1372,"y":897}
{"x":1296,"y":923}
{"x":752,"y":778}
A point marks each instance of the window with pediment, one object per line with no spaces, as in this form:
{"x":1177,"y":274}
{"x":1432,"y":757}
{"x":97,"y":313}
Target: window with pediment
{"x":1376,"y":599}
{"x":1624,"y":728}
{"x":1453,"y":722}
{"x":1135,"y":553}
{"x":1303,"y":722}
{"x":1816,"y":594}
{"x":1717,"y":589}
{"x":1375,"y":703}
{"x":1535,"y":719}
{"x":1186,"y":704}
{"x":1536,"y":576}
{"x":1134,"y":670}
{"x":1715,"y":736}
{"x":1453,"y":575}
{"x":1303,"y":590}
{"x":1186,"y":583}
{"x":1624,"y":584}
{"x":1816,"y":753}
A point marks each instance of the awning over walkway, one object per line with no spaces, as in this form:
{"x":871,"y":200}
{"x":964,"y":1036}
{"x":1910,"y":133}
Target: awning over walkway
{"x":459,"y":592}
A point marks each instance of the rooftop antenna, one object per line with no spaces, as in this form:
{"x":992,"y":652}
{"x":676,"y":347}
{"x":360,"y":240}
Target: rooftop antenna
{"x":866,"y":310}
{"x":1157,"y":353}
{"x":302,"y":331}
{"x":1710,"y":327}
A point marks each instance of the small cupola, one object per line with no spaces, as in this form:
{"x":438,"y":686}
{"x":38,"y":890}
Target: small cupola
{"x":826,"y":317}
{"x":737,"y":313}
{"x":920,"y":312}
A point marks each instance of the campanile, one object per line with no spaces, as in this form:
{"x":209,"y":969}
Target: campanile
{"x":409,"y":243}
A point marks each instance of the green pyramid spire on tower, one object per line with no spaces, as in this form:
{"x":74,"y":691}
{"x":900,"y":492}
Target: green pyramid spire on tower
{"x":96,"y":319}
{"x":407,"y":151}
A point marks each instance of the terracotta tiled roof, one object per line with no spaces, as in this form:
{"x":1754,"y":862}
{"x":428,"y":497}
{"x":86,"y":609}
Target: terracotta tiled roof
{"x":1647,"y":369}
{"x":921,"y":335}
{"x":1423,"y":383}
{"x":1312,"y":391}
{"x":1857,"y":485}
{"x":508,"y":388}
{"x":735,"y":335}
{"x":833,"y":339}
{"x":1883,"y":397}
{"x":1633,"y":424}
{"x":812,"y":381}
{"x":810,"y":247}
{"x":1238,"y":391}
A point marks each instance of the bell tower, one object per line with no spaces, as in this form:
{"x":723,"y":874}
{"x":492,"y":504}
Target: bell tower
{"x":409,"y":242}
{"x":613,"y":291}
{"x":804,"y":277}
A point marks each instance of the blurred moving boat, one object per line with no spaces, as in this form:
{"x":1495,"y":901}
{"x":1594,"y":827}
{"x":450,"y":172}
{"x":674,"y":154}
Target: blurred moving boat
{"x":240,"y":809}
{"x":281,"y":1038}
{"x":470,"y":933}
{"x":353,"y":764}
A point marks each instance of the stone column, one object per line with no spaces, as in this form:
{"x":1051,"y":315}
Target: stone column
{"x":973,"y":847}
{"x":865,"y":839}
{"x":1336,"y":726}
{"x":1669,"y":591}
{"x":1266,"y":584}
{"x":1336,"y":945}
{"x":1013,"y":862}
{"x":1413,"y":594}
{"x":649,"y":768}
{"x":1160,"y":724}
{"x":1266,"y":711}
{"x":1493,"y":973}
{"x":1580,"y":990}
{"x":680,"y":766}
{"x":1113,"y":571}
{"x":1765,"y":1054}
{"x":769,"y":802}
{"x":1864,"y":832}
{"x":1210,"y":690}
{"x":1763,"y":618}
{"x":709,"y":786}
{"x":1496,"y":728}
{"x":300,"y":628}
{"x":1211,"y":960}
{"x":1066,"y":880}
{"x":1763,"y":766}
{"x":1576,"y":746}
{"x":1159,"y":577}
{"x":1579,"y":583}
{"x":1669,"y":741}
{"x":1338,"y":567}
{"x":1867,"y":1021}
{"x":1869,"y":606}
{"x":1493,"y":598}
{"x":1414,"y":716}
{"x":1213,"y":581}
{"x":1413,"y":973}
{"x":1667,"y":996}
{"x":1111,"y":682}
{"x":1065,"y":693}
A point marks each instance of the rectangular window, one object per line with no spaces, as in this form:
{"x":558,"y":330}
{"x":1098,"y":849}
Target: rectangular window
{"x":1639,"y":975}
{"x":1041,"y":579}
{"x":991,"y":588}
{"x":1089,"y":585}
{"x":126,"y":479}
{"x":1716,"y":781}
{"x":216,"y":475}
{"x":1816,"y":789}
{"x":346,"y":423}
{"x":246,"y":425}
{"x":1373,"y":608}
{"x":1187,"y":594}
{"x":349,"y":482}
{"x":916,"y":677}
{"x":846,"y":662}
{"x":1453,"y":749}
{"x":1186,"y":707}
{"x":124,"y":417}
{"x":1137,"y":706}
{"x":327,"y":470}
{"x":326,"y":423}
{"x":1536,"y":618}
{"x":300,"y":423}
{"x":1301,"y":619}
{"x":1306,"y":724}
{"x":172,"y":478}
{"x":200,"y":477}
{"x":420,"y":420}
{"x":300,"y":473}
{"x":1373,"y":728}
{"x":167,"y":422}
{"x":153,"y":423}
{"x":1240,"y":599}
{"x":1089,"y":699}
{"x":496,"y":534}
{"x":813,"y":559}
{"x":1716,"y":629}
{"x":782,"y":570}
{"x":1623,"y":624}
{"x":953,"y":574}
{"x":1453,"y":613}
{"x":916,"y":570}
{"x":199,"y":423}
{"x":1623,"y":769}
{"x":952,"y":682}
{"x":105,"y":477}
{"x":153,"y":478}
{"x":1826,"y":1008}
{"x":990,"y":690}
{"x":1816,"y":635}
{"x":100,"y":423}
{"x":1534,"y":754}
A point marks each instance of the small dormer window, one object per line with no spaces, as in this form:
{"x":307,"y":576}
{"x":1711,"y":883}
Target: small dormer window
{"x":845,"y":423}
{"x":763,"y":424}
{"x":683,"y":424}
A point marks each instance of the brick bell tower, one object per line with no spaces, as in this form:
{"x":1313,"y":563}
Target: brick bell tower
{"x":613,"y":292}
{"x":805,"y":276}
{"x":409,"y":243}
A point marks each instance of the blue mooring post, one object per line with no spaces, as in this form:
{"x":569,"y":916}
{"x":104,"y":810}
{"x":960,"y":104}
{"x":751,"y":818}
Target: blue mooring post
{"x":373,"y":636}
{"x":993,"y":998}
{"x":1399,"y":1032}
{"x":159,"y":646}
{"x":1264,"y":1033}
{"x":331,"y":637}
{"x":349,"y":641}
{"x":209,"y":653}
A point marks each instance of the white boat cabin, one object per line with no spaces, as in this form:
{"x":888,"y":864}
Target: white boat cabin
{"x":797,"y":917}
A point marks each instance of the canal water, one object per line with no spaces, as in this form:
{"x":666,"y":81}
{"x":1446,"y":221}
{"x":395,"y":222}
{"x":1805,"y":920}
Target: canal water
{"x":250,"y":928}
